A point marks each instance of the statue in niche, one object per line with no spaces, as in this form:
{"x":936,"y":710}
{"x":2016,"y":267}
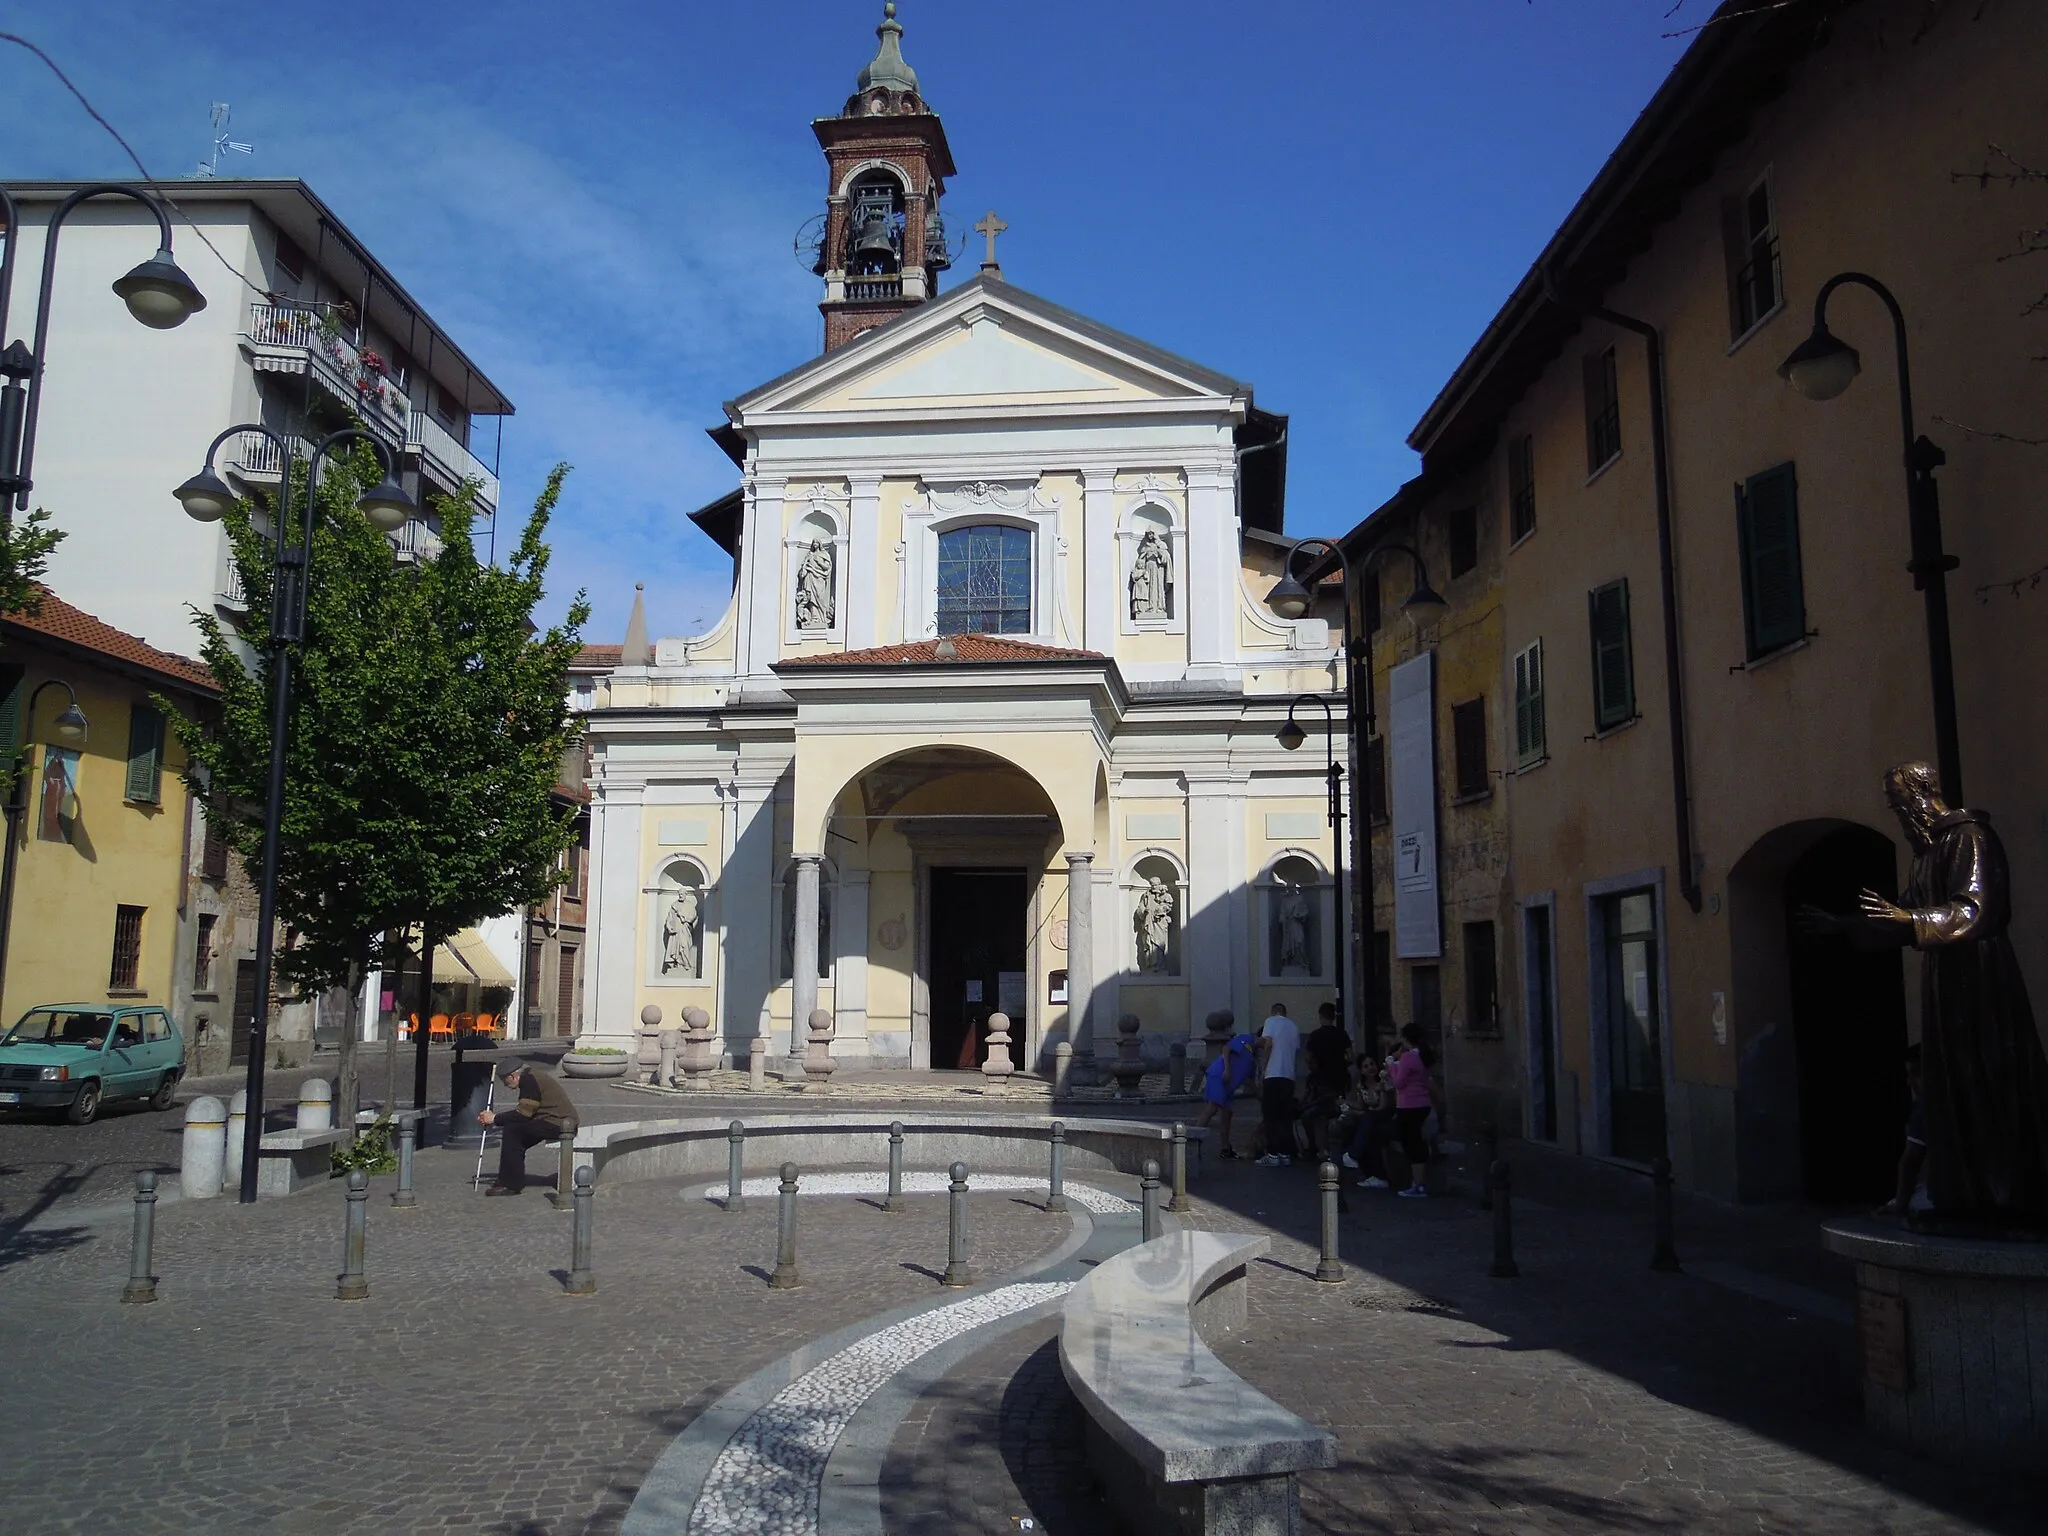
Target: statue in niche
{"x":1295,"y":917}
{"x":681,"y":952}
{"x":1151,"y":575}
{"x":1155,"y":927}
{"x":814,"y":587}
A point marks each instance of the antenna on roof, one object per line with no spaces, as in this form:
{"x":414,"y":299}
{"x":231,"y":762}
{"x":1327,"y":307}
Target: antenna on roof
{"x":222,"y":144}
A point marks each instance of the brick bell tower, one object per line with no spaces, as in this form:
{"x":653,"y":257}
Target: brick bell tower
{"x":883,"y":243}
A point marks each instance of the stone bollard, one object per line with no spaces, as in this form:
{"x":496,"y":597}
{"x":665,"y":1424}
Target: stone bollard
{"x":316,"y":1105}
{"x":402,"y":1198}
{"x":735,"y":1157}
{"x":1179,"y":1202}
{"x":1665,"y":1258}
{"x":581,"y":1281}
{"x":893,"y":1200}
{"x":1056,"y":1192}
{"x":1503,"y":1266}
{"x":647,"y":1062}
{"x":1148,"y":1202}
{"x":1216,"y":1034}
{"x":671,"y":1044}
{"x":1489,"y":1141}
{"x":785,"y":1276}
{"x":996,"y":1066}
{"x":202,"y":1160}
{"x":1129,"y":1070}
{"x":1062,"y":1070}
{"x":698,"y":1059}
{"x":757,"y":1064}
{"x":818,"y":1063}
{"x":351,"y":1284}
{"x":1331,"y":1183}
{"x":237,"y":1137}
{"x":141,"y":1284}
{"x":1177,"y":1068}
{"x":957,"y":1272}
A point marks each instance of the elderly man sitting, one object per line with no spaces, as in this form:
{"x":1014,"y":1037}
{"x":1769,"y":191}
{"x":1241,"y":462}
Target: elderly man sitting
{"x":545,"y":1113}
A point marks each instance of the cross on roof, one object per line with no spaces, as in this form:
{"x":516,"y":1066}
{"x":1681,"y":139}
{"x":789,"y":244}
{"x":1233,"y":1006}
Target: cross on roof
{"x":991,"y":226}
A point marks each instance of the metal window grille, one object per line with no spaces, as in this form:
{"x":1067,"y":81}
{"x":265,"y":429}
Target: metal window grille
{"x":202,"y":955}
{"x":1603,"y":410}
{"x":127,"y":949}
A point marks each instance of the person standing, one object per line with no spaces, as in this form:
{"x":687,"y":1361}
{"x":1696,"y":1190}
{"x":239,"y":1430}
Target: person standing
{"x":1220,"y":1084}
{"x":1279,"y":1045}
{"x":1414,"y":1096}
{"x":544,"y":1113}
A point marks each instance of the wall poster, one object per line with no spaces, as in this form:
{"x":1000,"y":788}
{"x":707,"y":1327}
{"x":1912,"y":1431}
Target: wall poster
{"x":1411,"y":772}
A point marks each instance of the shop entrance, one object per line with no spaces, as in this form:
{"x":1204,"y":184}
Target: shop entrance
{"x":977,"y":962}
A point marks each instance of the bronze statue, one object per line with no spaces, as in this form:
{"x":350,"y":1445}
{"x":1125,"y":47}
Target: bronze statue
{"x":1985,"y":1078}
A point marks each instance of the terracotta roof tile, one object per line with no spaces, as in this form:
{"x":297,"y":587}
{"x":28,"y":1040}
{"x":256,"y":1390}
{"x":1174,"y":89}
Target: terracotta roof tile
{"x":60,"y":621}
{"x":606,"y":656}
{"x":971,"y":648}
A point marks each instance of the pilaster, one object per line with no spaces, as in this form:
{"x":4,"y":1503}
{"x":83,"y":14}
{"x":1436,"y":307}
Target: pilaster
{"x":863,"y":575}
{"x":1099,"y":576}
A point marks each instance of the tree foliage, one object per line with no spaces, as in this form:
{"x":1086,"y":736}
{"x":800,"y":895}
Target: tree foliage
{"x":427,"y":723}
{"x":25,"y":546}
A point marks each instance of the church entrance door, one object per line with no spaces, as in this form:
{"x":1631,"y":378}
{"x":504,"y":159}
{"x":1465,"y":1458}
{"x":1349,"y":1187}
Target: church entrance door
{"x":977,"y":962}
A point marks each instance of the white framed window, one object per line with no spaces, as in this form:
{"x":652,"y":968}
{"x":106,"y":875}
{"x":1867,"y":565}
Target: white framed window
{"x":1298,"y":922}
{"x":1155,"y":892}
{"x":1000,"y":563}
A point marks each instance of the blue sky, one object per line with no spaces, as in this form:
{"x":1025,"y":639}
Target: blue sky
{"x":599,"y":200}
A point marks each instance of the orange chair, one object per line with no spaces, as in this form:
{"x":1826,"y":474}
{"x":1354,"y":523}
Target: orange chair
{"x":440,"y":1028}
{"x":487,"y":1024}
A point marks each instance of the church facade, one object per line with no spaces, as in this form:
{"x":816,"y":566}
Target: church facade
{"x":990,"y":723}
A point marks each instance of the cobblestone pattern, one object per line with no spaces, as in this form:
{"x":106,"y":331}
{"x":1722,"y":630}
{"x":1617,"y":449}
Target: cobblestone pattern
{"x":767,"y":1477}
{"x":468,"y":1393}
{"x":1000,"y":1440}
{"x":1087,"y":1196}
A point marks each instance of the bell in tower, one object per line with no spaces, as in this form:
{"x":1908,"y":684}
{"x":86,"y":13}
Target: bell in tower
{"x":883,"y":242}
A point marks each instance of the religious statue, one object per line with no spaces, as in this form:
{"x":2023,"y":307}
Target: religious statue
{"x":1984,"y":1078}
{"x":679,"y":949}
{"x":1294,"y":921}
{"x":1150,"y":576}
{"x":1155,"y":927}
{"x":814,"y":587}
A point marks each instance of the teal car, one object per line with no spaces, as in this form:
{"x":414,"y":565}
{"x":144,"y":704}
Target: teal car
{"x":77,"y":1056}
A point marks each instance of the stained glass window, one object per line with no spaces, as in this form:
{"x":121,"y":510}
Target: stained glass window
{"x":985,"y":580}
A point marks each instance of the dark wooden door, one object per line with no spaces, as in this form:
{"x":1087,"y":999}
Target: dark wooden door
{"x":977,"y":939}
{"x":245,"y":1010}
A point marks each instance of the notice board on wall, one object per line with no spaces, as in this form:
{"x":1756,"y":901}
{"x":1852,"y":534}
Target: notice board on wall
{"x":1411,"y":774}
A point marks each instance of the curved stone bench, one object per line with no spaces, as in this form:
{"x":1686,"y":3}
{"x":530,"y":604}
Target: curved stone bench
{"x":1182,"y":1443}
{"x":649,"y":1149}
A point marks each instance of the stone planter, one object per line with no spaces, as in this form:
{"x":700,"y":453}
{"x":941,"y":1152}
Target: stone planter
{"x":577,"y":1065}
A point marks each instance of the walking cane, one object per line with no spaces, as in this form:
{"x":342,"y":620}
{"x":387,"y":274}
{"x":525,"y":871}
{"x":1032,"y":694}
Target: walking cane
{"x":484,"y":1133}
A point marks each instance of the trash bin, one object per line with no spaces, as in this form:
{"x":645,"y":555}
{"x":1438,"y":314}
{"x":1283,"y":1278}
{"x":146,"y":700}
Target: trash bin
{"x":469,"y":1087}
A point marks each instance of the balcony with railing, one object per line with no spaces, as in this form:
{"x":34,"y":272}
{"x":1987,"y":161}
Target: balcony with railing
{"x":416,"y":542}
{"x":256,"y":457}
{"x":447,"y":461}
{"x":228,"y":592}
{"x":286,"y":338}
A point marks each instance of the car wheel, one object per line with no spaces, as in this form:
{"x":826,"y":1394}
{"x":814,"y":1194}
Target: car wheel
{"x":86,"y":1107}
{"x":166,"y":1092}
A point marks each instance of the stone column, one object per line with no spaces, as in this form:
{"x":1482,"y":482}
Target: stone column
{"x":1080,"y":952}
{"x":804,"y":959}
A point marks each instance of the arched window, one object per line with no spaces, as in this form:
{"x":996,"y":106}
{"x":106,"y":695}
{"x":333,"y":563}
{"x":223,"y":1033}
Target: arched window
{"x":984,"y":583}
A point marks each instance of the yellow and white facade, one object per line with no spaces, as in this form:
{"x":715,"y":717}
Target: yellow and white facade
{"x":844,"y":796}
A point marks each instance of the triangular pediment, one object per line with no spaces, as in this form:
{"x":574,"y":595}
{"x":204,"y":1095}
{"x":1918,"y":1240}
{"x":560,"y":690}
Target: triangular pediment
{"x":984,"y":346}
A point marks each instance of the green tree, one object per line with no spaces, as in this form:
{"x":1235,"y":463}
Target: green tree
{"x":25,"y":545}
{"x":428,"y":717}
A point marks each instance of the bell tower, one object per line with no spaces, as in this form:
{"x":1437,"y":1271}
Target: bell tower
{"x":883,"y":244}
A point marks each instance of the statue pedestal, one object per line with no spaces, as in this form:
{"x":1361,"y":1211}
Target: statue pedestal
{"x":1953,"y":1337}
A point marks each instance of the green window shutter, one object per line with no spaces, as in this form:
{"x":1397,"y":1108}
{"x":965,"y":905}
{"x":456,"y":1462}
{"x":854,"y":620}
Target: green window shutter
{"x":1614,"y":684}
{"x":145,"y":754}
{"x":1529,"y":739}
{"x":11,"y":695}
{"x":1773,"y":591}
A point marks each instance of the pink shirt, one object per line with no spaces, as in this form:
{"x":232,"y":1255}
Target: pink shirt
{"x":1411,"y":1081}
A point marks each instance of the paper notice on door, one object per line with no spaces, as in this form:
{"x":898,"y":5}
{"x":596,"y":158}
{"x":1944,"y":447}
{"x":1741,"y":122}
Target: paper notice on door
{"x":1010,"y":993}
{"x":973,"y":991}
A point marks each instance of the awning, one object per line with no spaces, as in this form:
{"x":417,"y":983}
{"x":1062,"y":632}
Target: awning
{"x":465,"y":957}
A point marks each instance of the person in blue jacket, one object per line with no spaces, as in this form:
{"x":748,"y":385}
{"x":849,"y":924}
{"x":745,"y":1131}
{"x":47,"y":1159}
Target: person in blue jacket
{"x":1220,"y":1084}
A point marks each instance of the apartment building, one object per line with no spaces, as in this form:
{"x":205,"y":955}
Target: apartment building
{"x":1688,"y":614}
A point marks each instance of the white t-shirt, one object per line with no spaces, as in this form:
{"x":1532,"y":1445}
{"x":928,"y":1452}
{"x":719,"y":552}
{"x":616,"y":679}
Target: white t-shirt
{"x":1286,"y":1038}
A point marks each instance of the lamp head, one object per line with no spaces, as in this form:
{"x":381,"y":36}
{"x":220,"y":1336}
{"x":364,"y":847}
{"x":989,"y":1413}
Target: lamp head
{"x":1425,"y":599}
{"x":1290,"y":735}
{"x":1822,"y":366}
{"x":387,"y":506}
{"x":1289,"y":598}
{"x":159,"y":294}
{"x":72,"y":725}
{"x":205,"y":497}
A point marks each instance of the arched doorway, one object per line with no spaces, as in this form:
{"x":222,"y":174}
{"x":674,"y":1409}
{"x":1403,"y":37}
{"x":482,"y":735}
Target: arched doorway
{"x":1849,"y":1023}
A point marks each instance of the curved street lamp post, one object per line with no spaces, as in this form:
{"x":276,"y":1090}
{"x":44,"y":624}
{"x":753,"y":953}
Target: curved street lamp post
{"x":206,"y":498}
{"x":1289,"y":599}
{"x":1820,"y":368}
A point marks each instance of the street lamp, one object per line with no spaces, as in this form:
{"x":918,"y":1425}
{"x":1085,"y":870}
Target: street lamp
{"x":72,"y":728}
{"x":1822,"y":367}
{"x":1289,"y":599}
{"x":157,"y":293}
{"x":206,"y":498}
{"x":1291,"y":736}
